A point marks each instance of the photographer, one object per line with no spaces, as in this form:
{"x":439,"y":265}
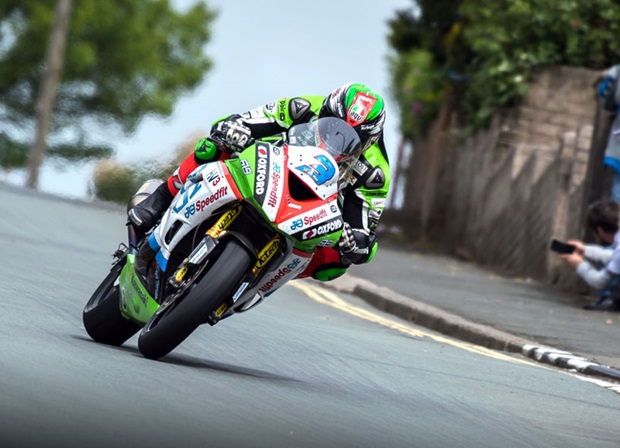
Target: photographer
{"x":603,"y":221}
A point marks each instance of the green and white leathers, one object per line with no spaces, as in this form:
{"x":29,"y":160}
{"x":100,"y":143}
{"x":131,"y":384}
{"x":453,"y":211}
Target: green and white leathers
{"x":364,"y":196}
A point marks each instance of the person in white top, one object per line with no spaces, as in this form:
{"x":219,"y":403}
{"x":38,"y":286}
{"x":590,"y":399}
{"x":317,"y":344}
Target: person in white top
{"x":599,"y":265}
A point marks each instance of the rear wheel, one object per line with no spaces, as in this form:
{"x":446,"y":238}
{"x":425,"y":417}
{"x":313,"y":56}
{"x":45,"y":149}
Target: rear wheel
{"x":173,"y":323}
{"x":102,"y":316}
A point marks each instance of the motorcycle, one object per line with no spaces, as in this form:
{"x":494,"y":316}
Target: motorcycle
{"x":237,"y":231}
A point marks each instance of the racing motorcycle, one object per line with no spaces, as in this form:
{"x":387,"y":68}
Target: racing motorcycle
{"x":236,"y":232}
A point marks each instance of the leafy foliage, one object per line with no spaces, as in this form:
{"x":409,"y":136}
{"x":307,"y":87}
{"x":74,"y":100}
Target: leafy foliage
{"x":115,"y":183}
{"x":13,"y":154}
{"x":424,"y":41}
{"x":489,"y":49}
{"x":421,"y":86}
{"x":125,"y":59}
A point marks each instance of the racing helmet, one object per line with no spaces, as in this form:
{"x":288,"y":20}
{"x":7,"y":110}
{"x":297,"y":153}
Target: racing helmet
{"x":360,"y":107}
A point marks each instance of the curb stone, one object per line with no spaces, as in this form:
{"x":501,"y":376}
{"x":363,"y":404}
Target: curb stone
{"x":457,"y":327}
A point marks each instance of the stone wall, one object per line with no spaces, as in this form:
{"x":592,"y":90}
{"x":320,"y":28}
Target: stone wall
{"x":499,"y":197}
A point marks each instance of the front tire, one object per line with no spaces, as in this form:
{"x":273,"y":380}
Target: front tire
{"x":164,"y":332}
{"x":102,"y":316}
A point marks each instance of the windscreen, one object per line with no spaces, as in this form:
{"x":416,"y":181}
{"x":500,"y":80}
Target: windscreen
{"x":329,"y":133}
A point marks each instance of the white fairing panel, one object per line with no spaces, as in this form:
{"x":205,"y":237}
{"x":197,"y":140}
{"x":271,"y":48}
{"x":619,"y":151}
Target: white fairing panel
{"x":206,"y":190}
{"x":316,"y":168}
{"x":272,"y":197}
{"x":291,"y":267}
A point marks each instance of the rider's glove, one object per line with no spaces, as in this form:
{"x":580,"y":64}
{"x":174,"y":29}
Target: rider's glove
{"x":233,"y":135}
{"x":353,"y":245}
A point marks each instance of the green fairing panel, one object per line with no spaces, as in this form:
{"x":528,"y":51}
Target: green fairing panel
{"x":139,"y":305}
{"x":244,"y":182}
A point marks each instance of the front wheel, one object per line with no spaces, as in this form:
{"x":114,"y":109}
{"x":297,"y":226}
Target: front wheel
{"x":172,"y":325}
{"x":102,"y":316}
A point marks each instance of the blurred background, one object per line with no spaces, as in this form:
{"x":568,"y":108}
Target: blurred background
{"x":257,"y":52}
{"x":494,"y":131}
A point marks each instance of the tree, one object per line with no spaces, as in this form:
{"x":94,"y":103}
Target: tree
{"x":47,"y":97}
{"x":486,"y":51}
{"x":125,"y":59}
{"x":425,"y":40}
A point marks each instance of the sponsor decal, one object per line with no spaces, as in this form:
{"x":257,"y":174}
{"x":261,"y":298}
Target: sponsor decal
{"x":180,"y":274}
{"x":323,"y":229}
{"x":283,"y":272}
{"x":245,"y":165}
{"x":293,"y":264}
{"x":267,"y":253}
{"x":138,"y":290}
{"x":270,"y":108}
{"x":311,"y":219}
{"x":273,"y":194}
{"x":242,"y":288}
{"x":221,"y":310}
{"x":276,"y":151}
{"x":360,"y":167}
{"x":197,"y":257}
{"x":360,"y":108}
{"x":204,"y":203}
{"x":213,"y":177}
{"x":375,"y":202}
{"x":320,"y":172}
{"x":224,"y":221}
{"x":371,"y":129}
{"x":297,"y":224}
{"x":317,"y":217}
{"x":282,"y":109}
{"x":262,"y":161}
{"x":324,"y":243}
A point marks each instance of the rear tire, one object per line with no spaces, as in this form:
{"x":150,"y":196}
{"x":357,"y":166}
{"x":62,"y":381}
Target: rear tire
{"x":102,"y":316}
{"x":164,"y":332}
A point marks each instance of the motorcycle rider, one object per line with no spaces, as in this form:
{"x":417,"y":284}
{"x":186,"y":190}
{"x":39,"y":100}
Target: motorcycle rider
{"x":362,"y":197}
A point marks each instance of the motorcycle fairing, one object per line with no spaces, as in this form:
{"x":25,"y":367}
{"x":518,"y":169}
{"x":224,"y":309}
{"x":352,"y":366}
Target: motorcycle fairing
{"x":310,"y":221}
{"x":291,"y":267}
{"x":293,"y":263}
{"x":316,"y":168}
{"x":208,"y":187}
{"x":136,"y":303}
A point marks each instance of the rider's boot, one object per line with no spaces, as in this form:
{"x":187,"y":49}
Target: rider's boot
{"x":144,"y":215}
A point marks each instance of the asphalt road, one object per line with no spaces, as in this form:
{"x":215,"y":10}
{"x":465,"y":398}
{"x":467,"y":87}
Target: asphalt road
{"x":295,"y":372}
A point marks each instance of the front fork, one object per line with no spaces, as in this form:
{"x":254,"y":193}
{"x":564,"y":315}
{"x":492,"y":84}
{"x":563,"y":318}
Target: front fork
{"x":198,"y":259}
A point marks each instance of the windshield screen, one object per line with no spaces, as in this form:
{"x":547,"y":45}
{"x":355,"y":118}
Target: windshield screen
{"x":329,"y":133}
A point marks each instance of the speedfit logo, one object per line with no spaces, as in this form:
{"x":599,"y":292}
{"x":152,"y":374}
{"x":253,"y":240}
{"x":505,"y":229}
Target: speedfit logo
{"x":273,"y":194}
{"x":261,"y":169}
{"x":323,"y":229}
{"x":283,"y":272}
{"x":309,"y":220}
